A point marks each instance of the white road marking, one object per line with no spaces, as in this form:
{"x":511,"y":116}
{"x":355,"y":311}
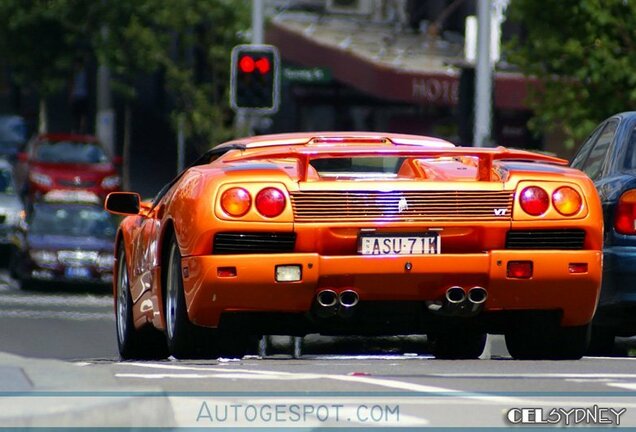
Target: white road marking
{"x":54,"y":300}
{"x":204,"y":372}
{"x":65,"y":315}
{"x":625,"y":385}
{"x":366,"y":357}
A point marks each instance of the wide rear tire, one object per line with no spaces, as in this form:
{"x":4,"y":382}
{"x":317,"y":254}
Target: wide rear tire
{"x":547,"y":342}
{"x":181,"y":334}
{"x":187,"y":340}
{"x":459,"y":345}
{"x":146,"y":343}
{"x":602,"y":342}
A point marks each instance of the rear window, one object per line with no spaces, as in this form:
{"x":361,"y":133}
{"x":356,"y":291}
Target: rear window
{"x":6,"y":183}
{"x":358,"y":166}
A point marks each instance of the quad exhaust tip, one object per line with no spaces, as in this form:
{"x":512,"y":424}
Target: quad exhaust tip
{"x":477,"y":295}
{"x":348,"y":298}
{"x":327,"y":298}
{"x":455,"y":295}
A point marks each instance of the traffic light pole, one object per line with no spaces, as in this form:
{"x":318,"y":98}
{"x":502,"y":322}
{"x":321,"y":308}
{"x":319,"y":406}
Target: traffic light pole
{"x":483,"y":76}
{"x":248,"y":120}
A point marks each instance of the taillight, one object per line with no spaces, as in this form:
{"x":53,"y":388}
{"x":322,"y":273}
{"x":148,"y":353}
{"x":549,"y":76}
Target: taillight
{"x":236,"y":201}
{"x":270,"y":202}
{"x":534,"y":200}
{"x":567,"y":201}
{"x":625,"y":214}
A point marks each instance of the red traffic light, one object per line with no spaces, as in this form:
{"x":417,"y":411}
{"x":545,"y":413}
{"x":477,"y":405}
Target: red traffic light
{"x":247,"y":64}
{"x":254,"y":79}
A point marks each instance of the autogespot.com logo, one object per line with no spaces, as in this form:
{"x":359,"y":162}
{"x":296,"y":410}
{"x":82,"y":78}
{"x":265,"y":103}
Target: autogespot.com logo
{"x":593,"y":415}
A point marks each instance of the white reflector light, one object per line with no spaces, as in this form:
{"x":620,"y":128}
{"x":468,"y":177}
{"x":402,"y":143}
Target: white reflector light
{"x":288,"y":273}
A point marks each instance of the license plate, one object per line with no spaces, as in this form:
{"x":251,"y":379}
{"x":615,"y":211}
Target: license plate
{"x":77,"y":273}
{"x":400,"y":244}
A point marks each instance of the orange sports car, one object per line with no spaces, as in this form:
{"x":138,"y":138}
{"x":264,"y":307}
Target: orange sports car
{"x":365,"y":234}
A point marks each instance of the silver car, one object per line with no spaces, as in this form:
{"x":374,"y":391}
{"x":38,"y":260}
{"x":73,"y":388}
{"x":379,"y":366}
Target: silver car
{"x":12,"y":212}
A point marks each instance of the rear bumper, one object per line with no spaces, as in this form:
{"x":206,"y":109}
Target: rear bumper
{"x":379,"y":279}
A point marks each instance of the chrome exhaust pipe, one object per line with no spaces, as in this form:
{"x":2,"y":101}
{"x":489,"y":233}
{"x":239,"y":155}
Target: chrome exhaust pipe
{"x":455,"y":295}
{"x":326,"y":304}
{"x":477,"y":295}
{"x":327,"y":298}
{"x":348,"y":300}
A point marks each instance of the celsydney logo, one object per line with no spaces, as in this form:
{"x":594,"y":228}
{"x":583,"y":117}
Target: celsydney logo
{"x":573,"y":416}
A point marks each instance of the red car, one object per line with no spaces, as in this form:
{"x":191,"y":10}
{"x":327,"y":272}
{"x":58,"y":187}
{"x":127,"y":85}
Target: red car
{"x":67,"y":162}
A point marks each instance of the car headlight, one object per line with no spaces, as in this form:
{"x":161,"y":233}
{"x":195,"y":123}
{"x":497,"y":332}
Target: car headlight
{"x":16,"y":218}
{"x":111,"y":182}
{"x":41,"y":179}
{"x":105,"y":261}
{"x":44,"y":257}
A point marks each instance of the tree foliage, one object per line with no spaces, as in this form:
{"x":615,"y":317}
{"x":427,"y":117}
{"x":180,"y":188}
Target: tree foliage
{"x":584,"y":54}
{"x":189,"y":41}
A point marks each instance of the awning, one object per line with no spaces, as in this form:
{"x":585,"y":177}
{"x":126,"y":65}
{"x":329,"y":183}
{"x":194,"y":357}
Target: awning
{"x":373,"y":59}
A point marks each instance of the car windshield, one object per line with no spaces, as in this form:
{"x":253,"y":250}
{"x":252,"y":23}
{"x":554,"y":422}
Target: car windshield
{"x":70,"y":152}
{"x":6,"y":185}
{"x":72,"y":220}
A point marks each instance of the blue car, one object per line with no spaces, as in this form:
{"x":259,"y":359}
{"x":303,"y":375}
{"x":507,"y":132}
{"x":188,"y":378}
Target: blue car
{"x":608,"y":157}
{"x":66,"y":243}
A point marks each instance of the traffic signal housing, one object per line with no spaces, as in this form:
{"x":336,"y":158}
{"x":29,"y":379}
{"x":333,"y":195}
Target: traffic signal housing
{"x":255,"y":80}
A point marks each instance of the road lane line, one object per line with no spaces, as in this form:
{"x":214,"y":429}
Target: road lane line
{"x":65,"y":315}
{"x":54,"y":300}
{"x":259,"y":374}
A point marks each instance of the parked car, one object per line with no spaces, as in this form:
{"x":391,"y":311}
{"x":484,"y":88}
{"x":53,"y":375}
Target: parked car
{"x":66,"y":241}
{"x":360,"y":233}
{"x":67,"y":162}
{"x":608,"y":156}
{"x":12,"y":212}
{"x":13,"y":135}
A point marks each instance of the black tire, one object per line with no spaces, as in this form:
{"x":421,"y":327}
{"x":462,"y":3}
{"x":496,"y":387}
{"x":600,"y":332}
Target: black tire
{"x":27,"y":284}
{"x":187,"y":340}
{"x":179,"y":329}
{"x":542,"y":342}
{"x":14,"y":262}
{"x":146,"y":343}
{"x":459,"y":345}
{"x":602,"y":342}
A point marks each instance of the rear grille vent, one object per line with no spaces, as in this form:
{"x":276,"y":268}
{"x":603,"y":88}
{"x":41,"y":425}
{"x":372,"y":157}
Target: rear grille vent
{"x":552,"y":239}
{"x":253,"y":243}
{"x":362,"y":206}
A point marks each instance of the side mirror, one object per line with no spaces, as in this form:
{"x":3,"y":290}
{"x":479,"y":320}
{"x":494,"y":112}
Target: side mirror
{"x":118,"y":160}
{"x":123,"y":203}
{"x":23,"y":156}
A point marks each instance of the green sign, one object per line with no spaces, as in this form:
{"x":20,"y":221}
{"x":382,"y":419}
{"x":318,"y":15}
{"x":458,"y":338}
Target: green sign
{"x":307,"y":75}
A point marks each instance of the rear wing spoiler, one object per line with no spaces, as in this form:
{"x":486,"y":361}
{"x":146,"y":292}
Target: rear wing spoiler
{"x":485,"y":156}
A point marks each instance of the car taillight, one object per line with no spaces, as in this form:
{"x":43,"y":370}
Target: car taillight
{"x":270,"y":202}
{"x":567,"y":201}
{"x":236,"y":201}
{"x":625,"y":214}
{"x":534,"y":200}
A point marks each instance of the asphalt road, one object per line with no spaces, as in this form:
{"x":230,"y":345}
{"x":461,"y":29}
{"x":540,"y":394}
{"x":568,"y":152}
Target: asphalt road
{"x":336,"y":382}
{"x":67,"y":324}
